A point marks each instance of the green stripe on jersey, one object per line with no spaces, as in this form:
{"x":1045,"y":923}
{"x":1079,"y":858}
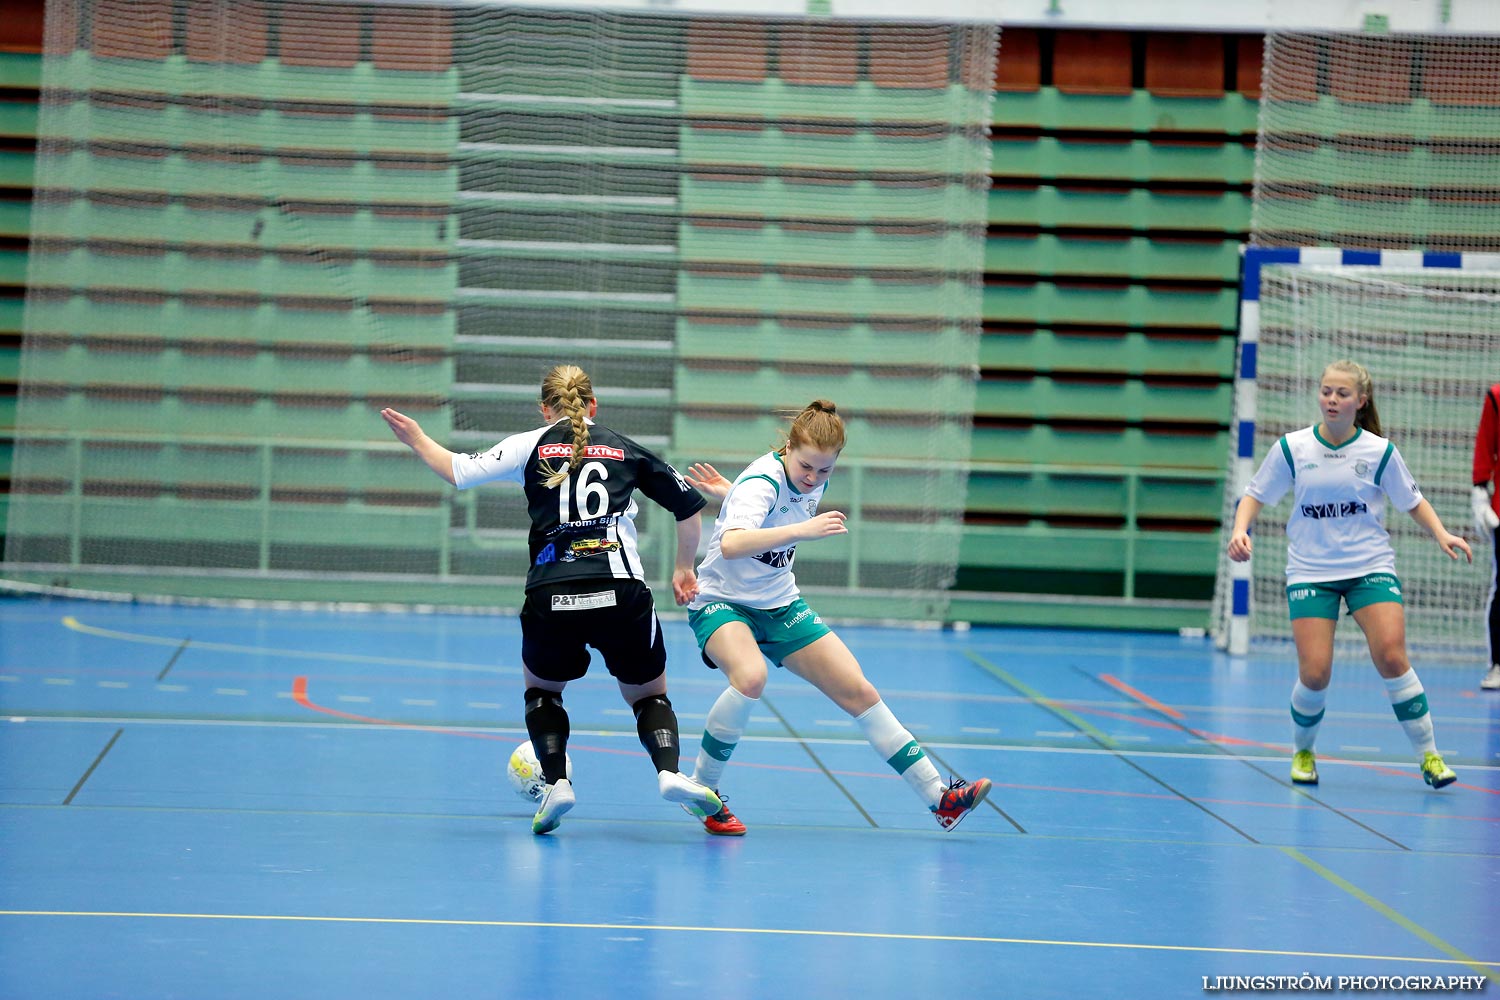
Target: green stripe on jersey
{"x":1286,"y":452}
{"x":774,"y":484}
{"x":1383,"y":460}
{"x":906,"y":757}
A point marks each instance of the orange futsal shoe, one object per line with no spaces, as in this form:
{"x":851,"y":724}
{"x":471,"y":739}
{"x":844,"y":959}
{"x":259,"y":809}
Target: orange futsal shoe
{"x":722,"y":823}
{"x":959,"y":799}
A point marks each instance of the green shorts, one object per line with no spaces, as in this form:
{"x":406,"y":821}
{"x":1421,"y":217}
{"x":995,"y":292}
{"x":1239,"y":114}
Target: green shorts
{"x":1321,"y":600}
{"x":779,"y":632}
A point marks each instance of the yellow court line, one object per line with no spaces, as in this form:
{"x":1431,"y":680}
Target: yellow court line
{"x":225,"y":647}
{"x":1040,"y":699}
{"x":787,"y":932}
{"x":1487,"y":969}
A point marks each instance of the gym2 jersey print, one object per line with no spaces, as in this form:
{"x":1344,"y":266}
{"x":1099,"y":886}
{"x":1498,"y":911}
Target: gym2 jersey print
{"x":1336,"y":530}
{"x":585,"y":526}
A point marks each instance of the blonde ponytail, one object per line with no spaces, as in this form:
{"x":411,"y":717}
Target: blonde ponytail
{"x":566,"y":389}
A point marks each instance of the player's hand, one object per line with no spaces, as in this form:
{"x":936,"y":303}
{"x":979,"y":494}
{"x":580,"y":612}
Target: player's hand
{"x":405,"y":428}
{"x":1240,"y":546}
{"x":708,"y":479}
{"x":1453,"y":544}
{"x":825,"y":524}
{"x":684,"y":585}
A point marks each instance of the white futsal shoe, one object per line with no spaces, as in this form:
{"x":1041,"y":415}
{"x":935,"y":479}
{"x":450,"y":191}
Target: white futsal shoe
{"x":678,"y":787}
{"x":557,"y":799}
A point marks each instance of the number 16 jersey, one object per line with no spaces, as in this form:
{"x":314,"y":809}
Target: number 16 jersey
{"x":585,"y":526}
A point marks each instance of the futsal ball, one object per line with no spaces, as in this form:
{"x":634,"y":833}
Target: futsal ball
{"x":525,"y":773}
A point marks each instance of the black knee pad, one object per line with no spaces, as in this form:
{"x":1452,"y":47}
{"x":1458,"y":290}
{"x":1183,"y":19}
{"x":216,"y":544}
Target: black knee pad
{"x":652,"y":702}
{"x":656,"y":724}
{"x":537,"y":698}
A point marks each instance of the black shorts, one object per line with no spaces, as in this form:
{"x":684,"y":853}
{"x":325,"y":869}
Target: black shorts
{"x":617,"y":617}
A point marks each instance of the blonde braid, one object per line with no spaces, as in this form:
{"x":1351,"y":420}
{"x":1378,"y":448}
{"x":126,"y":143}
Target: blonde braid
{"x":568,"y":388}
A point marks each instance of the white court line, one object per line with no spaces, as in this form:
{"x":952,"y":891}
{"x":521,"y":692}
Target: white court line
{"x":1209,"y":754}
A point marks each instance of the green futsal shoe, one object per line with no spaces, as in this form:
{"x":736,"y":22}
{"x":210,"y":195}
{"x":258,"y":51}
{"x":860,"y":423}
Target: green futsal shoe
{"x":1305,"y":768}
{"x":1435,"y":772}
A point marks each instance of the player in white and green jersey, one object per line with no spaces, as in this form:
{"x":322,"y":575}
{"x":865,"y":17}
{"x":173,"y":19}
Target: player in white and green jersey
{"x":748,"y":608}
{"x":1340,"y":473}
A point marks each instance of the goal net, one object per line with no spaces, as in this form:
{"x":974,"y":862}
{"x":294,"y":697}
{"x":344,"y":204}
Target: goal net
{"x":1428,"y":328}
{"x":1379,"y":141}
{"x":257,"y":223}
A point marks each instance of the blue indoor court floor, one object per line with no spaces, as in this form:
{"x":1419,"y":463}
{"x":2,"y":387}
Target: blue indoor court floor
{"x":215,"y":803}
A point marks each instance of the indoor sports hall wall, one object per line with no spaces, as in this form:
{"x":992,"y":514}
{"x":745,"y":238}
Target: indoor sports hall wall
{"x":1087,"y":491}
{"x":252,"y":225}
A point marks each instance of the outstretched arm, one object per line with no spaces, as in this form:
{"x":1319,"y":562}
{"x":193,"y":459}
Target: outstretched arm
{"x":410,"y":433}
{"x":1450,"y":543}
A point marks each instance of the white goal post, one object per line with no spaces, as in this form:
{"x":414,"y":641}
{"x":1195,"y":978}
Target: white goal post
{"x":1427,"y":325}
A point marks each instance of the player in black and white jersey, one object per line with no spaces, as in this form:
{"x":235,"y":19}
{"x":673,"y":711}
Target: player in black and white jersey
{"x":1340,"y":472}
{"x":585,"y":585}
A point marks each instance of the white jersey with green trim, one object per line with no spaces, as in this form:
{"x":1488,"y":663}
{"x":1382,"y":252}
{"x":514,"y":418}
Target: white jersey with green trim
{"x":1336,"y":530}
{"x":762,"y":497}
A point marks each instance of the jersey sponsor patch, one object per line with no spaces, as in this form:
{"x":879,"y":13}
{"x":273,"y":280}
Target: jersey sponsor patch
{"x":776,"y":558}
{"x":592,"y":451}
{"x":583,"y":602}
{"x":1343,"y":508}
{"x":581,"y":548}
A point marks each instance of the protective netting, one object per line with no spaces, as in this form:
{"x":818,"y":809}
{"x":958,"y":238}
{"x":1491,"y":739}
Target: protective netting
{"x":255,"y":224}
{"x":1379,"y":141}
{"x":1430,"y":337}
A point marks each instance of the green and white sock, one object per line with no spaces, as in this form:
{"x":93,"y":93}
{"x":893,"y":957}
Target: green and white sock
{"x":899,"y":749}
{"x":1409,"y":702}
{"x":722,"y":730}
{"x":1307,"y":715}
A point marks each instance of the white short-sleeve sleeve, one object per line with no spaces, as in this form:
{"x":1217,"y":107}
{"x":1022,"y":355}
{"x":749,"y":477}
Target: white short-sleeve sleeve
{"x":1399,"y":484}
{"x":505,"y":461}
{"x":749,"y":502}
{"x":1274,"y":477}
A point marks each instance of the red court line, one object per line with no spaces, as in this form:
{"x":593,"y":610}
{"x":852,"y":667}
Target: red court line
{"x":299,"y":695}
{"x":1142,"y":697}
{"x":1209,"y":737}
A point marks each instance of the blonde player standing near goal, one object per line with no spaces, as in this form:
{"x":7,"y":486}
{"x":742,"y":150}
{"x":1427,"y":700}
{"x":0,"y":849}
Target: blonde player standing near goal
{"x":1340,"y":472}
{"x":748,"y":608}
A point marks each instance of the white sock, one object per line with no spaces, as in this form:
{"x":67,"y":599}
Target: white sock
{"x":896,"y":746}
{"x":1409,"y":702}
{"x":1307,"y":715}
{"x":721,"y":734}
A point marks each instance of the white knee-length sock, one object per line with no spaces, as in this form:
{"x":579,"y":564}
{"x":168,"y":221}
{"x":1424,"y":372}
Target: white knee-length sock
{"x":1307,"y":715}
{"x":721,"y":734}
{"x":1409,"y":702}
{"x":899,"y":749}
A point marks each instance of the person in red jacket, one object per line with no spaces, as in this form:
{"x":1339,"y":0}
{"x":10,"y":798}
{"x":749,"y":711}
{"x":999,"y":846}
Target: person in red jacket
{"x":1487,"y":515}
